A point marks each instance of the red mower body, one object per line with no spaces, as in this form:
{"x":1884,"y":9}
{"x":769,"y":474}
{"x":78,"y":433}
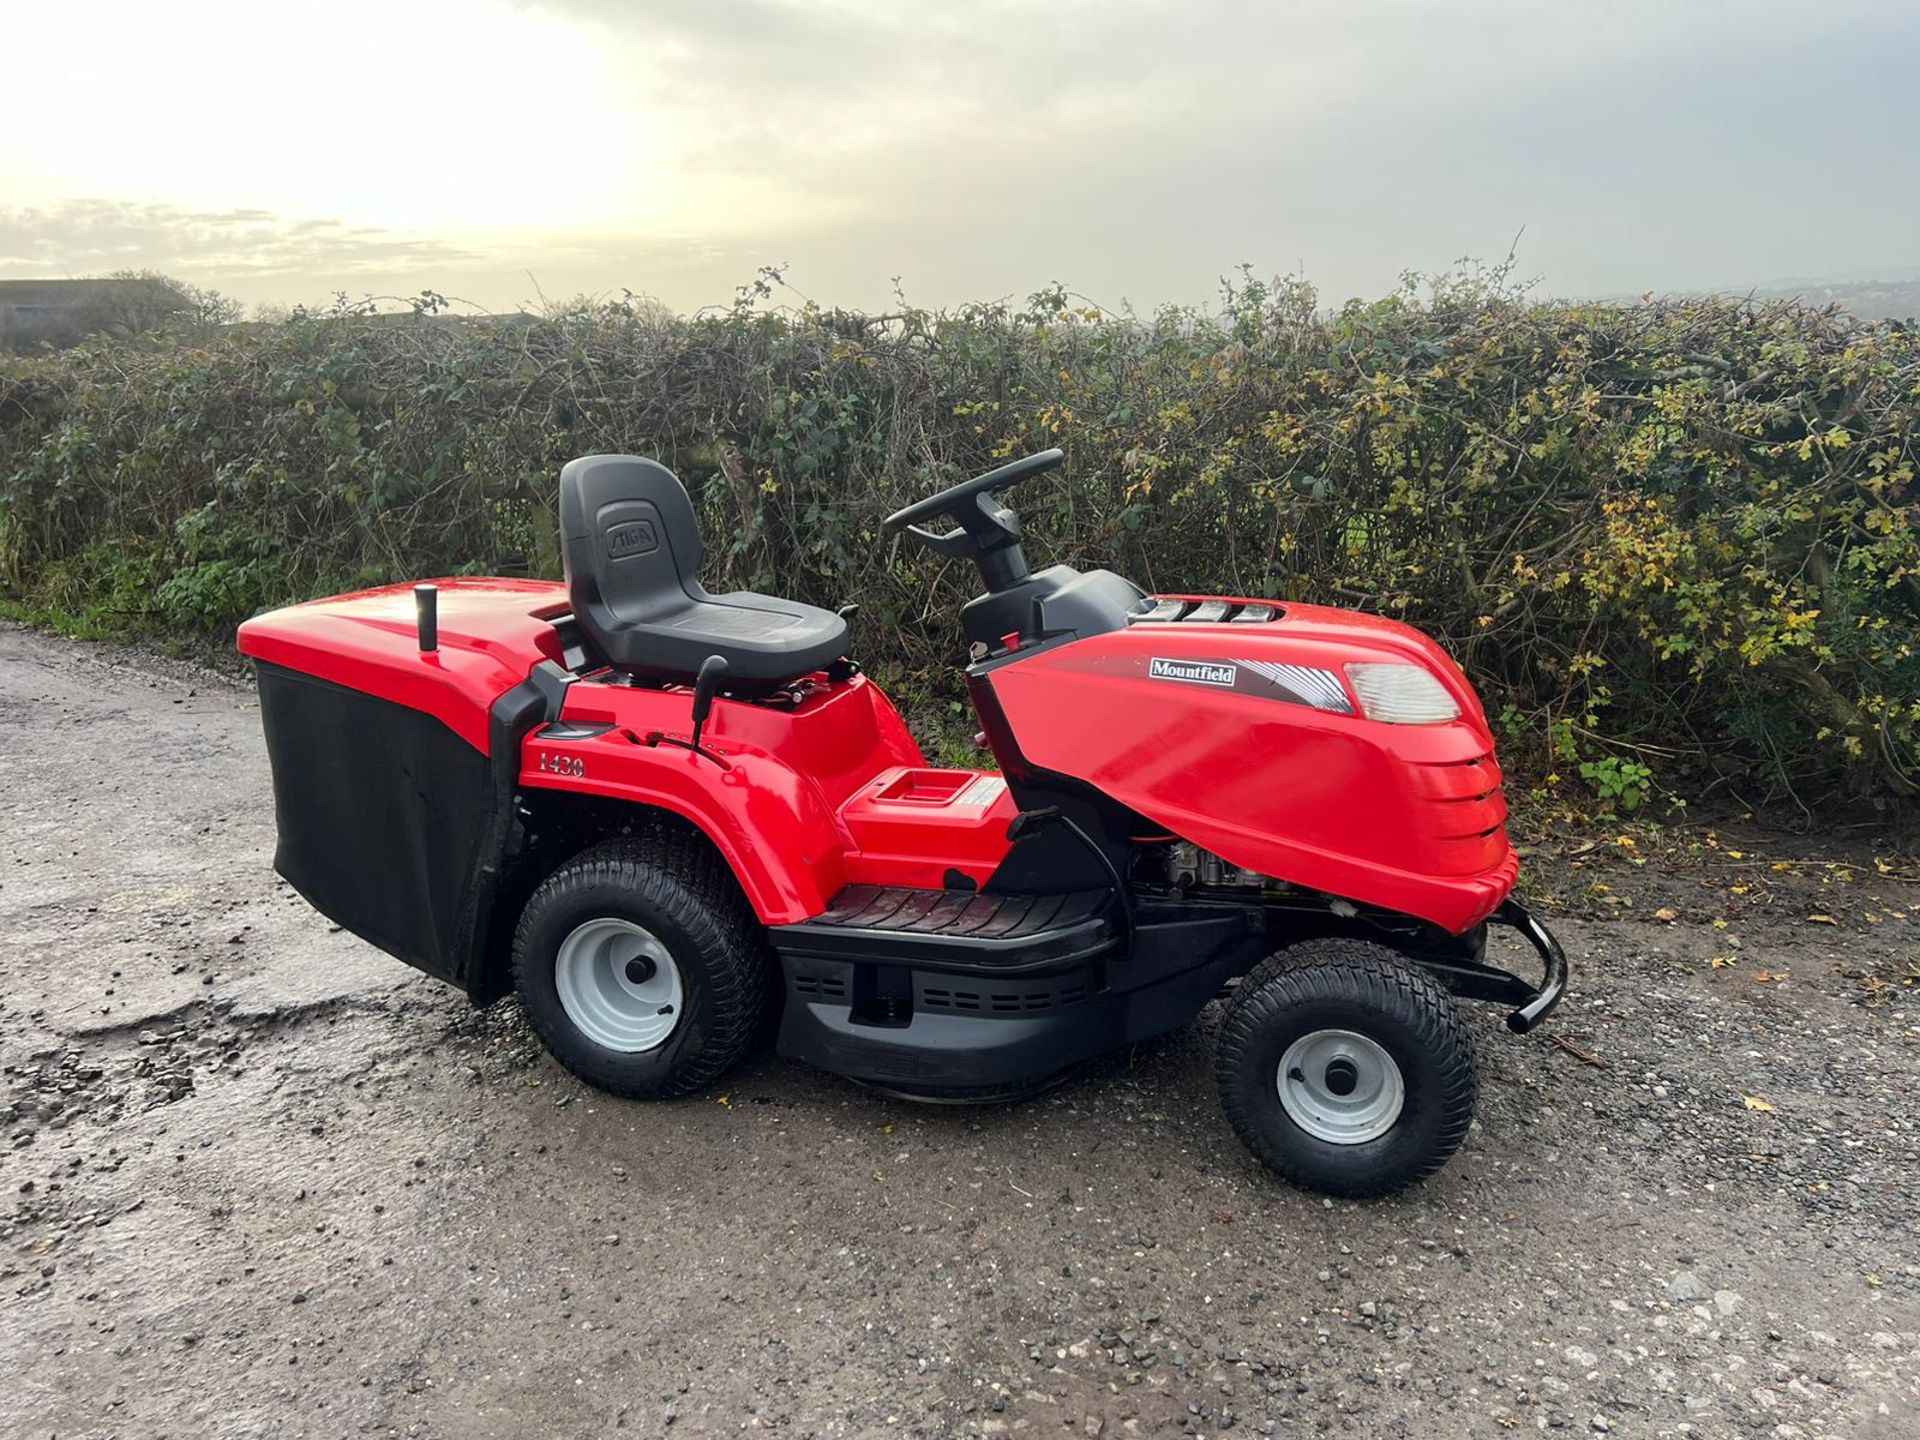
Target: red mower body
{"x":833,"y":790}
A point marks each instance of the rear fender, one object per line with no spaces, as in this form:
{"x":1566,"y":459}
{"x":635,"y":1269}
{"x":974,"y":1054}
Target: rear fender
{"x":769,"y":823}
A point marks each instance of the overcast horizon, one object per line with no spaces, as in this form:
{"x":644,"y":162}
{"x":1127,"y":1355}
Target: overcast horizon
{"x":503,"y":153}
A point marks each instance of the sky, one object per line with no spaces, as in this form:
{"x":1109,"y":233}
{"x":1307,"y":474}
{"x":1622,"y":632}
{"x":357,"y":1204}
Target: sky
{"x":512,"y":151}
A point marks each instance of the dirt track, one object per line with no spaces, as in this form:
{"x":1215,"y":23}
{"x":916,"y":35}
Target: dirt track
{"x":262,"y":1181}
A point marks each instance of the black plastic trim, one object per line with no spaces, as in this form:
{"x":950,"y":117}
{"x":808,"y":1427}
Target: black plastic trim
{"x":990,"y":1030}
{"x":1553,"y":981}
{"x":484,"y":937}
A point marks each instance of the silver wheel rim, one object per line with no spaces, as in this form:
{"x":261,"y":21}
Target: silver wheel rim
{"x":1340,"y":1087}
{"x":619,"y":985}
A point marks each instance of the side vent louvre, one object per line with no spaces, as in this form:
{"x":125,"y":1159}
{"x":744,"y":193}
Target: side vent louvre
{"x":1160,"y":610}
{"x":1001,"y":1002}
{"x":941,"y":999}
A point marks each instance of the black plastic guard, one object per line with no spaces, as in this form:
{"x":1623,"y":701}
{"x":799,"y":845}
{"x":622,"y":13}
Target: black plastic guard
{"x":1010,"y":1028}
{"x":389,"y":823}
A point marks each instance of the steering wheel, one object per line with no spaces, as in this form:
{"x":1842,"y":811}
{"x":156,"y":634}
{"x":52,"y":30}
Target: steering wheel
{"x":988,"y":530}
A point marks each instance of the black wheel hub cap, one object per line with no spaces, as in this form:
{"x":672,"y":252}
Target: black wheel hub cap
{"x":641,"y":970}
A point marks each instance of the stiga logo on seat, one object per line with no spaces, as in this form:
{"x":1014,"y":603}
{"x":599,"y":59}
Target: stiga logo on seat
{"x":634,"y":537}
{"x":1195,"y":672}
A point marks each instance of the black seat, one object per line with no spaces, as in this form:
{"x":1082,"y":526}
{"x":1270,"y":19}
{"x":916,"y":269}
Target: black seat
{"x":632,"y":552}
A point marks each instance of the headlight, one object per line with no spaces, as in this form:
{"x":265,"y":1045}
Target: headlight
{"x":1401,"y":694}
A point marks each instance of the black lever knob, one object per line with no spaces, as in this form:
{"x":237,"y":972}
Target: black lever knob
{"x":713,"y":670}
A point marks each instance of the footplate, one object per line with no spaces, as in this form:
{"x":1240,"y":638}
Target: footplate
{"x":954,"y":929}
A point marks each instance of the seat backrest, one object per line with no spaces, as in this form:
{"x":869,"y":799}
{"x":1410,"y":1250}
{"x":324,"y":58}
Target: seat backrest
{"x":629,"y":544}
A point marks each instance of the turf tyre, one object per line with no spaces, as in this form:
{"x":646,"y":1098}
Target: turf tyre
{"x":682,"y":893}
{"x":1344,"y":984}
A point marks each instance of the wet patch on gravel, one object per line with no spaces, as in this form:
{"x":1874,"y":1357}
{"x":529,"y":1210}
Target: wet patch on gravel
{"x":260,"y":1181}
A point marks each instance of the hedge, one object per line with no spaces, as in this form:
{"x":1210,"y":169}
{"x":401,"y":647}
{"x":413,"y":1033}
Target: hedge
{"x":1673,"y":542}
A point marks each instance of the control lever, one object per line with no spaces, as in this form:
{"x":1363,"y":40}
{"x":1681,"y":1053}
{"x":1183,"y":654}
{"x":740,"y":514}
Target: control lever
{"x":706,"y":685}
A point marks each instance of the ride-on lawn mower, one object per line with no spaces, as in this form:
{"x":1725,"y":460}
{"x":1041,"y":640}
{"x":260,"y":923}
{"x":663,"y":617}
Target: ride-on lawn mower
{"x":671,"y":821}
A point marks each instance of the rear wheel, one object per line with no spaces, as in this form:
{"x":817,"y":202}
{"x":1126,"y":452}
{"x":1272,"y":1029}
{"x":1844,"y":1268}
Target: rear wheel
{"x":642,"y":969}
{"x":1345,"y":1068}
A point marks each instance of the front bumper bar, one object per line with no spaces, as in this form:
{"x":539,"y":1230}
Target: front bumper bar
{"x":1477,"y":981}
{"x":1553,"y":979}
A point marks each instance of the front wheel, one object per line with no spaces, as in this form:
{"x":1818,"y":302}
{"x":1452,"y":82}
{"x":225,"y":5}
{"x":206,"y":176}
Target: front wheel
{"x":1345,"y":1068}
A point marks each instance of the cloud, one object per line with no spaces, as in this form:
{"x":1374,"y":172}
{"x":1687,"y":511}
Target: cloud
{"x":79,"y":237}
{"x":258,"y":255}
{"x":1138,"y":149}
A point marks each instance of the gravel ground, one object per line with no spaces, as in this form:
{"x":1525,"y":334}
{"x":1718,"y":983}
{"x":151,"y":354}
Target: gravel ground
{"x":260,"y":1180}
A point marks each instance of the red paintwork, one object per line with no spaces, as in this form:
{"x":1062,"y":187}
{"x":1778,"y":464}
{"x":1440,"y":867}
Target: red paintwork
{"x":909,"y":827}
{"x":833,"y":791}
{"x":774,"y":813}
{"x":1408,"y":817}
{"x":491,"y":633}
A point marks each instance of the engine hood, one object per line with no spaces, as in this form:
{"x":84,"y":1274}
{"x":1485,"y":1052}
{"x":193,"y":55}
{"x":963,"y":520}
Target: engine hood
{"x":1248,"y":740}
